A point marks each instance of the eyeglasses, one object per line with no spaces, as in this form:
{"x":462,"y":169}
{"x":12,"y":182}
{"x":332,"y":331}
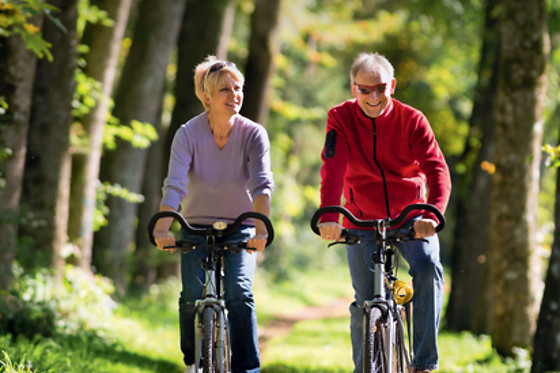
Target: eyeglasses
{"x":217,"y":66}
{"x":367,"y":89}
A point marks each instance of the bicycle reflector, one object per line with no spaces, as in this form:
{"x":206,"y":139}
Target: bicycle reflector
{"x":402,"y":292}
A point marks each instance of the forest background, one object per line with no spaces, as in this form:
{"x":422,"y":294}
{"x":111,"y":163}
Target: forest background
{"x":91,"y":93}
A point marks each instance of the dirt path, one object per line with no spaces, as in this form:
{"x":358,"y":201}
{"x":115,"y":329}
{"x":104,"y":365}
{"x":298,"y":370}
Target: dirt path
{"x":284,"y":322}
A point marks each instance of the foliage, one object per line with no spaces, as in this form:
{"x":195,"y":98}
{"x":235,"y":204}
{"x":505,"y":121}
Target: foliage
{"x":8,"y":366}
{"x":91,"y":14}
{"x":104,"y":190}
{"x":40,"y":305}
{"x":16,"y":18}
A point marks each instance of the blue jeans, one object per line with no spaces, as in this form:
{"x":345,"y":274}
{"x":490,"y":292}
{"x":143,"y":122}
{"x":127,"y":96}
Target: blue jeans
{"x":242,"y":317}
{"x":427,"y":278}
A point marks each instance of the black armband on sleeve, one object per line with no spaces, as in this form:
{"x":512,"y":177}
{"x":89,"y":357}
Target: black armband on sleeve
{"x":330,"y":144}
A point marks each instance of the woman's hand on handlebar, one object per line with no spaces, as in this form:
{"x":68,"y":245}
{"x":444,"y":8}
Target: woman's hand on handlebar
{"x":165,"y":241}
{"x":257,"y":242}
{"x":425,"y":228}
{"x":330,"y":231}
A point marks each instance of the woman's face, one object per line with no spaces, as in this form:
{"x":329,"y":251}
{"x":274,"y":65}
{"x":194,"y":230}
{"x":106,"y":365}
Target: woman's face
{"x":373,"y":91}
{"x":227,"y":97}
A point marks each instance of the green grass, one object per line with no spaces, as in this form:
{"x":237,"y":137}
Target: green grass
{"x":142,"y":336}
{"x":311,"y":346}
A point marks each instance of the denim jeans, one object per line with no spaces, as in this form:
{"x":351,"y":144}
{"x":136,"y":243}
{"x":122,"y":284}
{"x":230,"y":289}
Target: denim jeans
{"x":427,"y":279}
{"x":242,"y":317}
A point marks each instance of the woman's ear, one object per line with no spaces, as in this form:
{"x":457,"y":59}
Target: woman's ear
{"x":207,"y":99}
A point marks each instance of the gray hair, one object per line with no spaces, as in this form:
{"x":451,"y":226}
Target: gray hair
{"x":370,"y":62}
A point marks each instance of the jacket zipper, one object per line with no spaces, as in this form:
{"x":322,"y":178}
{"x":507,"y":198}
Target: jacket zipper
{"x":380,"y":169}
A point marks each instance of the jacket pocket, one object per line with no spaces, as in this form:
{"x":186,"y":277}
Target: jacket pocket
{"x":353,"y":202}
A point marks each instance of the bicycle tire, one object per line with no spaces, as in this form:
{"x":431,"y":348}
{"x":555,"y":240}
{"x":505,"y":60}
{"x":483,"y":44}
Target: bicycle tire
{"x":222,"y":346}
{"x":400,"y":355}
{"x":208,"y":334}
{"x":374,"y":334}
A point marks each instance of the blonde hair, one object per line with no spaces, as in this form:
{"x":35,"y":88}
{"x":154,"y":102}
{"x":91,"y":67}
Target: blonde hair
{"x":206,"y":81}
{"x":370,"y":62}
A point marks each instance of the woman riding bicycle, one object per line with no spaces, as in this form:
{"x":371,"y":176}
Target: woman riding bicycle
{"x":219,"y":168}
{"x":384,"y":155}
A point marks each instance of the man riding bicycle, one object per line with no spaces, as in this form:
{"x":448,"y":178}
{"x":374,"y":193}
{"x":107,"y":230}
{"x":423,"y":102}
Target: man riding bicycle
{"x":384,"y":156}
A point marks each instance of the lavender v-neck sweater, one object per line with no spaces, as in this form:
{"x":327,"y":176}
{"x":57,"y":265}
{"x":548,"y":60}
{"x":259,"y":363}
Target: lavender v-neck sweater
{"x":212,"y":183}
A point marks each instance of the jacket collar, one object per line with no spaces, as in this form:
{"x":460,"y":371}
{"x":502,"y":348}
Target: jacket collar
{"x":383,"y":117}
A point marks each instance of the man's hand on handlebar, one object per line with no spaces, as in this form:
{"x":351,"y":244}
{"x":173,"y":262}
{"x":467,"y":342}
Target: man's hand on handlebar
{"x":165,"y":241}
{"x":425,"y":228}
{"x":330,"y":231}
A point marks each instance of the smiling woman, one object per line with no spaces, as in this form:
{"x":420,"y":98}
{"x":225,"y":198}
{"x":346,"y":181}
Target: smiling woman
{"x":219,"y":168}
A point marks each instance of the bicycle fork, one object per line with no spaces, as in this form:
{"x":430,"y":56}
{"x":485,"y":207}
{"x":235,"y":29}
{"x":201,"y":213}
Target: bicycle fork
{"x":388,"y":339}
{"x":221,"y":333}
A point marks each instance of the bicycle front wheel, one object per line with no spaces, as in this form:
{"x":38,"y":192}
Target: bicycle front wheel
{"x":401,"y":355}
{"x":374,"y":335}
{"x":208,"y":337}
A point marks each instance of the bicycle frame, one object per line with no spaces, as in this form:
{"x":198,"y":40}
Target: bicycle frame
{"x":213,"y":297}
{"x":382,"y":260}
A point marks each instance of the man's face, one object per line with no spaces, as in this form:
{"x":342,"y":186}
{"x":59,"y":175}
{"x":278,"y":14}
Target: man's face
{"x":373,"y":91}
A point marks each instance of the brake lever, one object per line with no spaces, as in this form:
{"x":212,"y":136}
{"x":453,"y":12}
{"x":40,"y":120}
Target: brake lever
{"x":184,"y":246}
{"x":349,"y":239}
{"x":337,"y":243}
{"x":407,"y":237}
{"x":236,"y":247}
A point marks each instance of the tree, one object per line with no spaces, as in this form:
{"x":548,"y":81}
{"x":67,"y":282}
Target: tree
{"x":17,"y":69}
{"x":104,"y":42}
{"x":138,"y":99}
{"x":47,"y":169}
{"x":521,"y":91}
{"x":263,"y":46}
{"x":468,"y":289}
{"x":546,"y":347}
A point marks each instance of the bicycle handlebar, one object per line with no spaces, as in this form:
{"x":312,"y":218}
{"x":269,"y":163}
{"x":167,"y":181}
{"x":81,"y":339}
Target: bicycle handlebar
{"x":216,"y":229}
{"x":375,"y":223}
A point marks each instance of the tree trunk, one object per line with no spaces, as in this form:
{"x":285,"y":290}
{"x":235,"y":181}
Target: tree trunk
{"x":469,"y":293}
{"x":260,"y":67}
{"x":145,"y":269}
{"x":521,"y":92}
{"x":17,"y":72}
{"x":546,"y":347}
{"x":138,"y":97}
{"x":101,"y":63}
{"x":46,"y":178}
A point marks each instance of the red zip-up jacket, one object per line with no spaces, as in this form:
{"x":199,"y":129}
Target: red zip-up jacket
{"x":361,"y":152}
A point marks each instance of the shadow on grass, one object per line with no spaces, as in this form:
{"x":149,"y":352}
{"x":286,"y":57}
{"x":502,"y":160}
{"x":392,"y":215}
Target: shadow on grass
{"x":96,"y":347}
{"x":286,"y":368}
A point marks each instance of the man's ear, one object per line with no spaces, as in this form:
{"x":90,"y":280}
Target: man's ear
{"x":393,"y":85}
{"x":353,"y":89}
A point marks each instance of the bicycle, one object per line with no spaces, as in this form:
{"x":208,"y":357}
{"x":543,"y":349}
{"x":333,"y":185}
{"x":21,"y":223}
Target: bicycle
{"x":212,"y":344}
{"x":384,"y":343}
